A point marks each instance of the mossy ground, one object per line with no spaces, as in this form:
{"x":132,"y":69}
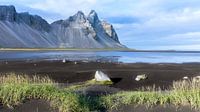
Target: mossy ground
{"x":88,"y":83}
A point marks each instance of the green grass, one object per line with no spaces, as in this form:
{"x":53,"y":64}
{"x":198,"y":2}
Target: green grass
{"x":88,"y":83}
{"x":12,"y":94}
{"x":15,"y":89}
{"x":184,"y":93}
{"x":12,"y":78}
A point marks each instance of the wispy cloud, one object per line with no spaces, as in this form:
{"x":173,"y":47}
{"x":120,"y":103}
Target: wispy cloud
{"x":141,"y":24}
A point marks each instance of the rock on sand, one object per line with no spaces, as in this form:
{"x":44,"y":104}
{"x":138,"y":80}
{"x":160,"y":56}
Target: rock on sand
{"x":100,"y":76}
{"x":141,"y":77}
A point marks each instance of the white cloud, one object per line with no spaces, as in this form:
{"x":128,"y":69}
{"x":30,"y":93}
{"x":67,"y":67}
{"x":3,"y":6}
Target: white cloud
{"x":193,"y":47}
{"x":68,"y":7}
{"x":161,"y":22}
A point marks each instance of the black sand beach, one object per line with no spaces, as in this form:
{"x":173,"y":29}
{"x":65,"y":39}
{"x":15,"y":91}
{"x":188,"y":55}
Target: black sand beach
{"x":123,"y":75}
{"x":31,"y":106}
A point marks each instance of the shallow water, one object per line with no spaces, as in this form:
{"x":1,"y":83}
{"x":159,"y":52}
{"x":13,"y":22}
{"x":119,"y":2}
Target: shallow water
{"x":104,"y":56}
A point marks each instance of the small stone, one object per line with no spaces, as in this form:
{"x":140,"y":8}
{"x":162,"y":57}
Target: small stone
{"x":141,"y":77}
{"x":196,"y":78}
{"x":75,"y":62}
{"x":64,"y":61}
{"x":85,"y":61}
{"x":185,"y":78}
{"x":100,"y":76}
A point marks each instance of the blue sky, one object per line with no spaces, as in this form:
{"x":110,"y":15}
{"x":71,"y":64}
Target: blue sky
{"x":140,"y":24}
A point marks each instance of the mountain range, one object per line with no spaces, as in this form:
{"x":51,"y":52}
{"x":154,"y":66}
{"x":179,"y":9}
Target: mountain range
{"x":23,"y":30}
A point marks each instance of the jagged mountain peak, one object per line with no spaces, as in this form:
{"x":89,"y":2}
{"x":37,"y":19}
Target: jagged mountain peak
{"x":78,"y":31}
{"x":93,"y":17}
{"x":8,"y":8}
{"x":80,"y":13}
{"x":34,"y":21}
{"x":7,"y":13}
{"x":78,"y":17}
{"x":93,"y":13}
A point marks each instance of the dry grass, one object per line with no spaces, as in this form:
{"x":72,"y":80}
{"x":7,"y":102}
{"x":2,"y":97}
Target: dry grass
{"x":183,"y":92}
{"x":88,"y":83}
{"x":14,"y":89}
{"x":184,"y":85}
{"x":12,"y":78}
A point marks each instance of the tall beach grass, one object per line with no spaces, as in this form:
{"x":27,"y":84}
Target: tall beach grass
{"x":181,"y":93}
{"x":17,"y":88}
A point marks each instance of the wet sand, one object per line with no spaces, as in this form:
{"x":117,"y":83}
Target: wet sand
{"x":123,"y":75}
{"x":44,"y":106}
{"x":159,"y":108}
{"x":36,"y":105}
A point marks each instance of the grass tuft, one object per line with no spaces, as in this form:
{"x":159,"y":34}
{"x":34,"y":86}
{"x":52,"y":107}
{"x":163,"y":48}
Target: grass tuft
{"x":12,"y":78}
{"x":88,"y":83}
{"x":184,"y":92}
{"x":15,"y":89}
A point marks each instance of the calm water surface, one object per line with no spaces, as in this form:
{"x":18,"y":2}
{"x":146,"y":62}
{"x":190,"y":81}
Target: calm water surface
{"x":103,"y":56}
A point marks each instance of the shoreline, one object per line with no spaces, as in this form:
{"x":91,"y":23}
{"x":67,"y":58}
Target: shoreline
{"x":96,"y":50}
